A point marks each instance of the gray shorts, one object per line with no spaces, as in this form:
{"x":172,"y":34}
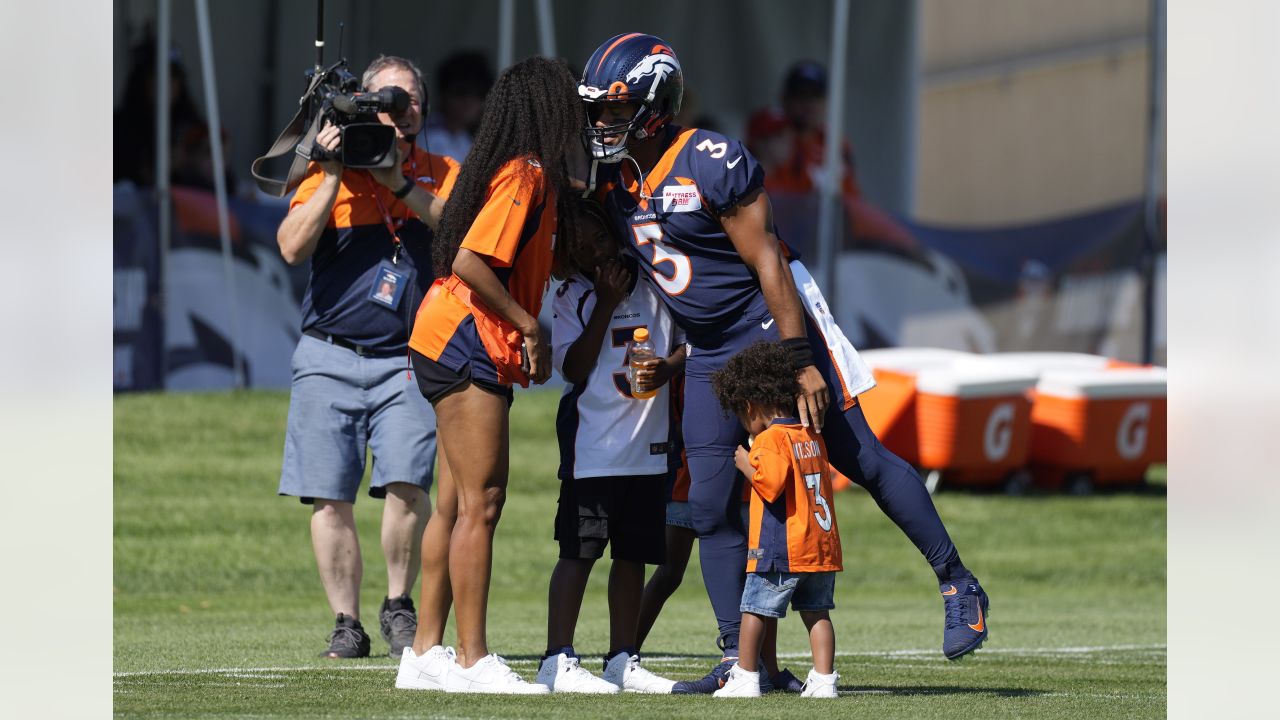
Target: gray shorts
{"x":767,"y":593}
{"x":339,"y":405}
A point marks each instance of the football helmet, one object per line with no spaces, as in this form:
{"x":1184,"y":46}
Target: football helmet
{"x":630,"y":68}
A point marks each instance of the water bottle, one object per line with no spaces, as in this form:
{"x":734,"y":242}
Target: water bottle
{"x":641,"y":349}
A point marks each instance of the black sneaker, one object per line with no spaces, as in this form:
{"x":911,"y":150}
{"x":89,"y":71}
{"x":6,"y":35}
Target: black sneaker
{"x":399,"y":623}
{"x":348,"y":639}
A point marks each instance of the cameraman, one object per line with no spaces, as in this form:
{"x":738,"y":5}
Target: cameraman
{"x":368,"y":236}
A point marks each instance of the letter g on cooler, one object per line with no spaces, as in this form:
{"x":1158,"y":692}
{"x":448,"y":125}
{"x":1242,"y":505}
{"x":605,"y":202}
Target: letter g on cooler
{"x":1131,"y":435}
{"x":997,"y":438}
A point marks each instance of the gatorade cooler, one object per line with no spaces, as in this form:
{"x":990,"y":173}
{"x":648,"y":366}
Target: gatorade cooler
{"x":1098,"y":427}
{"x":960,"y":416}
{"x":1042,"y":362}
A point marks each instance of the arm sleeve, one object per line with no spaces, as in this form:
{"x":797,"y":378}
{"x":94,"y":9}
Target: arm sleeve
{"x":773,"y":469}
{"x":569,"y":308}
{"x":498,"y":227}
{"x":724,"y":186}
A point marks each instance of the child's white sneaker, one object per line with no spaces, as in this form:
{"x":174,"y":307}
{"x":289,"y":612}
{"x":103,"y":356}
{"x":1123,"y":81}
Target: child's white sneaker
{"x":426,"y":671}
{"x":490,"y":674}
{"x":624,"y":671}
{"x":819,"y":685}
{"x":563,"y":674}
{"x":740,"y":683}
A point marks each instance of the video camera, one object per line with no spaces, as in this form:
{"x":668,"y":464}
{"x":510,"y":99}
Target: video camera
{"x":334,"y":94}
{"x":366,"y":143}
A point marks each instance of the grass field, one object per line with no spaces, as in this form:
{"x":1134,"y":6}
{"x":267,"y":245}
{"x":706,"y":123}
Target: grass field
{"x":219,"y":610}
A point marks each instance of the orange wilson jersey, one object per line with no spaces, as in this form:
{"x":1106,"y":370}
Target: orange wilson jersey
{"x":793,"y":518}
{"x":515,"y":233}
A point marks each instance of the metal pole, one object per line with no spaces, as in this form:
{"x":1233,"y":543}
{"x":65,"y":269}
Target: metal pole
{"x":220,"y":187}
{"x":832,"y":169}
{"x":506,"y":33}
{"x":164,"y":221}
{"x":1150,"y":216}
{"x":546,"y":29}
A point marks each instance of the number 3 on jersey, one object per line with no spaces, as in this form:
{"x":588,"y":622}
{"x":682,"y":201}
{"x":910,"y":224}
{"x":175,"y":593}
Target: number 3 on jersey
{"x":813,"y":481}
{"x":681,"y":268}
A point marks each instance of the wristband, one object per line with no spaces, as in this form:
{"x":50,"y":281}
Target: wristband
{"x":404,"y":191}
{"x":800,"y":351}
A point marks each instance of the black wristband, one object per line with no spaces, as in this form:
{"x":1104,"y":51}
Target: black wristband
{"x":404,"y":191}
{"x":800,"y":351}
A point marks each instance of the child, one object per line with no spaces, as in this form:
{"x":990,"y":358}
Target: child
{"x":613,"y":451}
{"x":793,"y":544}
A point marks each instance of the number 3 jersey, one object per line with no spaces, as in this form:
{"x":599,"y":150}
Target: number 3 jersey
{"x":677,"y":237}
{"x":793,"y":517}
{"x":603,"y":431}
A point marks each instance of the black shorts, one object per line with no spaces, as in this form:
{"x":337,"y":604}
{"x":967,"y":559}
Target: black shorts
{"x":628,"y":513}
{"x":435,"y":380}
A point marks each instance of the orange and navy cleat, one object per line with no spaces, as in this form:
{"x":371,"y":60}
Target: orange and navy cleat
{"x":965,"y":605}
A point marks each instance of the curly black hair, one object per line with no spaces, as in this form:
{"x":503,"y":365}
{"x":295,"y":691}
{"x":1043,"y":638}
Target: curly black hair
{"x":581,"y":223}
{"x":532,"y":111}
{"x":762,"y":375}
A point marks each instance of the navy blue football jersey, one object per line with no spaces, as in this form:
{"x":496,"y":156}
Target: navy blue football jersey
{"x":675,"y":233}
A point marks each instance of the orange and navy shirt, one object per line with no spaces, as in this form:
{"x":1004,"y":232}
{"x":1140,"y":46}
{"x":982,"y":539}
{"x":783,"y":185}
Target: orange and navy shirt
{"x":793,"y":519}
{"x":515,"y":233}
{"x":344,"y":266}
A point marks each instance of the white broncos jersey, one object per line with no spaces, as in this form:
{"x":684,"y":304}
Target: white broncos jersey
{"x":603,"y":430}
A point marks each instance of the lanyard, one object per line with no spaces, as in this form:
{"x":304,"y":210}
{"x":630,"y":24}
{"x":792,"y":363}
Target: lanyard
{"x":393,"y":224}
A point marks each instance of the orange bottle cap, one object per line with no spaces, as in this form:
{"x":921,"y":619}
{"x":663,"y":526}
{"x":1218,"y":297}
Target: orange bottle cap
{"x":640,"y":334}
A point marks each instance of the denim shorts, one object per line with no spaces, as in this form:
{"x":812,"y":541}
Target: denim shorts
{"x":768,"y":593}
{"x":342,"y":404}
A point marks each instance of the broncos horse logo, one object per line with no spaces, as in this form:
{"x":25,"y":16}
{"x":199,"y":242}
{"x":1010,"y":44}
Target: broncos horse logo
{"x":660,"y":65}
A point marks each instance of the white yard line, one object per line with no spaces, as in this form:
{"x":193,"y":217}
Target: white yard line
{"x":257,"y":673}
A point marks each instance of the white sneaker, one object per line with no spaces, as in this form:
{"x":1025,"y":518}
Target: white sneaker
{"x":563,"y":674}
{"x":623,"y":670}
{"x":819,"y":685}
{"x":490,"y":674}
{"x":426,"y":671}
{"x":740,"y":683}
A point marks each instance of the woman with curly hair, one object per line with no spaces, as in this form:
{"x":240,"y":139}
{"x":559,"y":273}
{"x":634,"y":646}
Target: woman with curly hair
{"x":476,"y":334}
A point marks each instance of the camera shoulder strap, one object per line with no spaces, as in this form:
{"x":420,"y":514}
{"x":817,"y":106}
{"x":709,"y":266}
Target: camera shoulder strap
{"x":297,"y":137}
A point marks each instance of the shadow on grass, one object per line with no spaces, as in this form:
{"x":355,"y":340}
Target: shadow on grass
{"x":908,"y":690}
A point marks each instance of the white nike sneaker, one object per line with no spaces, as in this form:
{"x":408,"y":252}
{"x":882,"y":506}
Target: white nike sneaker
{"x":624,"y":671}
{"x":490,"y":674}
{"x":563,"y":674}
{"x":819,"y":685}
{"x":426,"y":671}
{"x":740,"y":683}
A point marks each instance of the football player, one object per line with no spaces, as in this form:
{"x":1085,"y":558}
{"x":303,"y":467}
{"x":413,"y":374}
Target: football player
{"x":692,"y":207}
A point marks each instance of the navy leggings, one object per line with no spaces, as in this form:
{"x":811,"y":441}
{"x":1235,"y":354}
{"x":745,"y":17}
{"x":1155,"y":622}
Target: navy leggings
{"x":711,"y":436}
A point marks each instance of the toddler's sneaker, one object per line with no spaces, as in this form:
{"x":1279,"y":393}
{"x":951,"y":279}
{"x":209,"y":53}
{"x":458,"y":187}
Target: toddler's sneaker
{"x":819,"y":685}
{"x":740,"y":683}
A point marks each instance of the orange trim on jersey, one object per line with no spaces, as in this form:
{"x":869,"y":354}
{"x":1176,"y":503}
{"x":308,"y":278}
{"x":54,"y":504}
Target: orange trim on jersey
{"x":614,"y":45}
{"x":355,"y":203}
{"x":659,"y":172}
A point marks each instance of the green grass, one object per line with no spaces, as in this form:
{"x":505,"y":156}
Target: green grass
{"x":213,"y":572}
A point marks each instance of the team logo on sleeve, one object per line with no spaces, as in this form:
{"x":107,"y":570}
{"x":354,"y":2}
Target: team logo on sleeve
{"x":680,"y":198}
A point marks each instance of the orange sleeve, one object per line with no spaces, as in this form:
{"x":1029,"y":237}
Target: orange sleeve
{"x":444,"y":186}
{"x":308,"y":186}
{"x":772,"y":469}
{"x":496,"y":231}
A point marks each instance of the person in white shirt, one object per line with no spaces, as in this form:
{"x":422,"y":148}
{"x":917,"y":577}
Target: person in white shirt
{"x":615,"y":450}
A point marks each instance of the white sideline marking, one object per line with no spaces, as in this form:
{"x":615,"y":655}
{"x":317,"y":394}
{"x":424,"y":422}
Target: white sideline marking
{"x":256,"y":673}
